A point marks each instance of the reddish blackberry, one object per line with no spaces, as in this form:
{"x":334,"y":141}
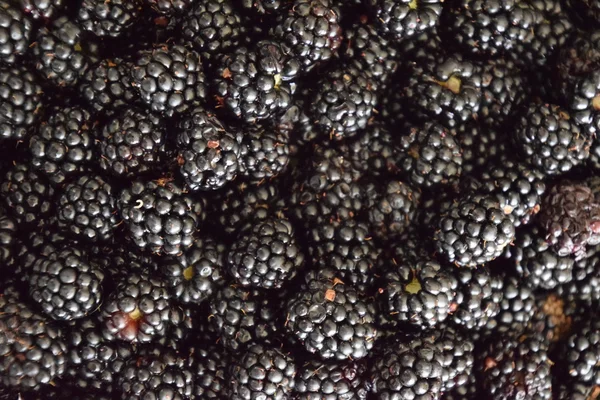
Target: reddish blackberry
{"x":265,"y":152}
{"x":209,"y":155}
{"x":63,"y":145}
{"x":42,"y":9}
{"x":28,"y":196}
{"x":61,"y":54}
{"x":430,"y":156}
{"x":474,"y":231}
{"x":32,"y":351}
{"x":332,"y":319}
{"x":140,"y":309}
{"x":265,"y":255}
{"x":254,"y":84}
{"x":112,"y":18}
{"x":262,"y":371}
{"x":404,"y":18}
{"x":318,"y":379}
{"x":310,"y":29}
{"x":21,"y":100}
{"x":107,"y":86}
{"x":195,"y":274}
{"x":374,"y":151}
{"x":169,"y":78}
{"x":160,"y":217}
{"x":15,"y":32}
{"x":132,"y":143}
{"x":548,"y":139}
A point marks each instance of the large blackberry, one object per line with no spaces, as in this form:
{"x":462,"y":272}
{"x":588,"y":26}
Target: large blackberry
{"x":132,"y":143}
{"x":15,"y":32}
{"x":20,"y":100}
{"x":323,"y":380}
{"x":160,"y":216}
{"x":254,"y":84}
{"x":209,"y":155}
{"x":140,"y":309}
{"x":332,"y":319}
{"x":404,"y":18}
{"x":111,"y":18}
{"x":64,"y":144}
{"x":374,"y":151}
{"x":474,"y":231}
{"x":262,"y":372}
{"x":265,"y":255}
{"x":265,"y":152}
{"x":548,"y":138}
{"x":195,"y":274}
{"x":32,"y":351}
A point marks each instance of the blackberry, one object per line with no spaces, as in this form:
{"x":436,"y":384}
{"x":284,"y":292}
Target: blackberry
{"x":169,"y":78}
{"x":33,"y":349}
{"x":266,"y":255}
{"x":21,"y":100}
{"x":584,"y":105}
{"x":111,"y":19}
{"x":15,"y":32}
{"x":343,"y":102}
{"x":209,"y":155}
{"x":195,"y":274}
{"x":570,"y":218}
{"x":516,"y":308}
{"x":581,"y":353}
{"x":474,"y":231}
{"x":402,"y":19}
{"x":160,"y":216}
{"x":331,"y":319}
{"x":374,"y":151}
{"x":63,"y":145}
{"x":210,"y":367}
{"x":170,"y":7}
{"x":318,"y":379}
{"x":480,"y":146}
{"x":261,"y":6}
{"x":107,"y":87}
{"x":140,"y":310}
{"x":583,"y":288}
{"x":576,"y":391}
{"x":87,"y":208}
{"x":430,"y":156}
{"x":516,"y":368}
{"x":262,"y":371}
{"x":61,"y":54}
{"x":132,"y":143}
{"x":407,"y":367}
{"x":254,"y":84}
{"x":457,"y":357}
{"x":467,"y":391}
{"x":265,"y":153}
{"x":42,"y":9}
{"x":548,"y":139}
{"x":310,"y":29}
{"x":28,"y":196}
{"x":8,"y":241}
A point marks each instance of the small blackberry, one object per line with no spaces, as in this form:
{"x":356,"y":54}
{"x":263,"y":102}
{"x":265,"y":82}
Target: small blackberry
{"x":160,"y":217}
{"x":21,"y":100}
{"x":15,"y":32}
{"x":132,"y":143}
{"x":209,"y":155}
{"x":63,"y":145}
{"x":265,"y":153}
{"x":111,"y":19}
{"x":197,"y":273}
{"x":401,"y":19}
{"x":323,"y":380}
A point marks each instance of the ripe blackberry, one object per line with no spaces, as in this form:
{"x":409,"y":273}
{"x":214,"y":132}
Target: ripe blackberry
{"x":467,"y":391}
{"x":213,"y":27}
{"x":576,"y":391}
{"x":332,"y":319}
{"x":584,"y":105}
{"x":404,"y":18}
{"x":570,"y":217}
{"x":374,"y":151}
{"x":407,"y":367}
{"x":61,"y":54}
{"x":548,"y":139}
{"x":42,"y":9}
{"x":210,"y":367}
{"x":169,"y":78}
{"x":265,"y":255}
{"x":581,"y":353}
{"x":15,"y":32}
{"x":33,"y":349}
{"x":262,"y":371}
{"x":430,"y":156}
{"x":310,"y":29}
{"x":132,"y":143}
{"x":63,"y":145}
{"x":209,"y":155}
{"x":254,"y":84}
{"x":28,"y":196}
{"x":111,"y":19}
{"x":584,"y":288}
{"x":107,"y":87}
{"x":265,"y":152}
{"x":343,"y":102}
{"x":457,"y":357}
{"x":8,"y":241}
{"x":170,"y":7}
{"x":474,"y":231}
{"x":516,"y":368}
{"x":21,"y":100}
{"x":195,"y":274}
{"x":579,"y":58}
{"x":318,"y":379}
{"x":160,"y":217}
{"x":480,"y":146}
{"x":140,"y":310}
